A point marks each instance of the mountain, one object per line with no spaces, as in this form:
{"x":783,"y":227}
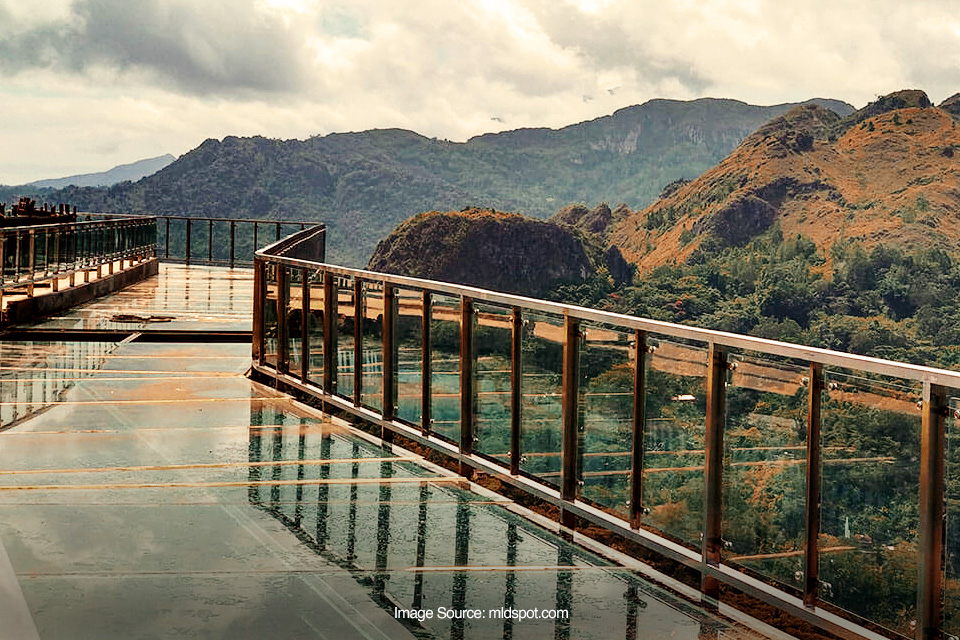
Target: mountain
{"x":132,"y":171}
{"x":363,"y":184}
{"x":888,"y":174}
{"x":502,"y":251}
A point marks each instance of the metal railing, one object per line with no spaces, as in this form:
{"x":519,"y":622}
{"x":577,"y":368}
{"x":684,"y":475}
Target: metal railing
{"x":45,"y":253}
{"x":229,"y":242}
{"x":824,"y":483}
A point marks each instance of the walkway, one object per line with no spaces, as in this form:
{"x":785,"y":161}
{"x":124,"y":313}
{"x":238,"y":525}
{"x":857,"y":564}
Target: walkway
{"x":151,"y":490}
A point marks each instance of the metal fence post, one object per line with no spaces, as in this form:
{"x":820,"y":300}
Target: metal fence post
{"x":304,"y":325}
{"x":713,"y":467}
{"x":388,"y":399}
{"x":357,"y":340}
{"x":329,"y":333}
{"x":811,"y":549}
{"x":638,"y":430}
{"x":570,"y":424}
{"x":32,"y":256}
{"x":189,"y":226}
{"x":426,"y":367}
{"x":466,"y":384}
{"x":259,"y":299}
{"x":932,"y":487}
{"x":283,"y":294}
{"x":233,"y":234}
{"x":516,"y":373}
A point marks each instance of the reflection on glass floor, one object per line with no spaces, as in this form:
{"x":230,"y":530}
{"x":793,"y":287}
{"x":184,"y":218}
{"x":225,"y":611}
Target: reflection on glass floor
{"x":152,"y":490}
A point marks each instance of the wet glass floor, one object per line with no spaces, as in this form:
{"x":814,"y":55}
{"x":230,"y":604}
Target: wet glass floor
{"x":151,"y":490}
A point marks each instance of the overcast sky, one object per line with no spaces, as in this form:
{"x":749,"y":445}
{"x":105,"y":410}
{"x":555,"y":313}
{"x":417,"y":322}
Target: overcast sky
{"x":89,"y":84}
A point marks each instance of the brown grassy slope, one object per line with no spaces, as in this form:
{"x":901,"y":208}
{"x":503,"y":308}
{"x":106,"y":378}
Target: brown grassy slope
{"x":892,"y":178}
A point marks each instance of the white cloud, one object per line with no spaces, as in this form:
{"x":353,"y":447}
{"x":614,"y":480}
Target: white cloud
{"x":109,"y":81}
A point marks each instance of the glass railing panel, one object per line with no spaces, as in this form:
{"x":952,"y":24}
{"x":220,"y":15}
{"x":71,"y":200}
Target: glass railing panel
{"x":541,"y":384}
{"x":294,"y":319}
{"x":492,"y":342}
{"x":607,"y":370}
{"x":870,"y":443}
{"x":371,"y":366}
{"x":345,"y":335}
{"x":951,"y":538}
{"x":409,"y":340}
{"x":445,"y":366}
{"x":764,"y":466}
{"x":673,"y":459}
{"x":270,"y":324}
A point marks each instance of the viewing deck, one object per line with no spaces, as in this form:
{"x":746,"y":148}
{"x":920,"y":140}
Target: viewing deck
{"x":150,"y":489}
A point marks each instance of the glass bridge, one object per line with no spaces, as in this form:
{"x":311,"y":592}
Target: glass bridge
{"x":150,"y":489}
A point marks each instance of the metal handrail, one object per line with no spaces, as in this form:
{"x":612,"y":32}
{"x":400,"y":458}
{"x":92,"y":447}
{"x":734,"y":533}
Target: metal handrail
{"x":40,"y":253}
{"x":274,"y":273}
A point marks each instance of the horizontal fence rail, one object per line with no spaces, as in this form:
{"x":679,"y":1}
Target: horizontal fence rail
{"x":46,"y":253}
{"x":823,"y":483}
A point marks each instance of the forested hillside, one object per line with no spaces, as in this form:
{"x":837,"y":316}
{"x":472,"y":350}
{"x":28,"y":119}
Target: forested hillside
{"x":364,"y":184}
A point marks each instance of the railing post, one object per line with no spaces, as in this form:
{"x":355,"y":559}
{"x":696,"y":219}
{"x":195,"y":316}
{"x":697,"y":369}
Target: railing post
{"x":233,"y":235}
{"x":259,"y":299}
{"x":466,"y":384}
{"x":166,"y":240}
{"x":811,"y":548}
{"x":283,"y":293}
{"x":329,"y":333}
{"x":357,"y":340}
{"x":932,"y":487}
{"x":210,"y":241}
{"x":389,"y":402}
{"x":278,"y":231}
{"x":189,"y":225}
{"x":570,"y":435}
{"x":638,"y":430}
{"x":304,"y":325}
{"x":389,"y":399}
{"x":31,"y":252}
{"x":426,"y":366}
{"x":516,"y":374}
{"x":713,"y":467}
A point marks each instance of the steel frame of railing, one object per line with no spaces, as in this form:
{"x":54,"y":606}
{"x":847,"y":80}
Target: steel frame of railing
{"x":933,"y":408}
{"x":194,"y":224}
{"x":42,"y":253}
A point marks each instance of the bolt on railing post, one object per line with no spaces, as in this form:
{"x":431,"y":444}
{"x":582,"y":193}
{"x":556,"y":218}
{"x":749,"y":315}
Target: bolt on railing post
{"x":329,"y":333}
{"x":259,"y":299}
{"x":713,"y":467}
{"x":516,"y":335}
{"x":466,"y":384}
{"x":570,"y":435}
{"x":638,"y":429}
{"x":304,"y":325}
{"x":932,"y":488}
{"x":811,"y":548}
{"x":283,"y":291}
{"x":426,"y":366}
